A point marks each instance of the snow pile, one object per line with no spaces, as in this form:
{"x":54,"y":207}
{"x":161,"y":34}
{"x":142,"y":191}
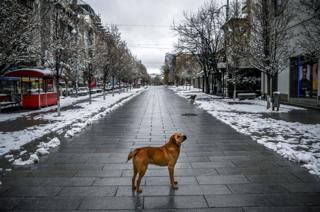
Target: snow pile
{"x":64,"y":102}
{"x":295,"y":141}
{"x":74,"y":120}
{"x":33,"y":159}
{"x":43,"y":148}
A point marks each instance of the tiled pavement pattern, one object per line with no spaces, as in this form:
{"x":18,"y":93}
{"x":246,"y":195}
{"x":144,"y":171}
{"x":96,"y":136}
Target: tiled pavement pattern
{"x":218,"y":169}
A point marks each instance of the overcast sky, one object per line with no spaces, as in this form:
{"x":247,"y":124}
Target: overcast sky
{"x":145,"y":25}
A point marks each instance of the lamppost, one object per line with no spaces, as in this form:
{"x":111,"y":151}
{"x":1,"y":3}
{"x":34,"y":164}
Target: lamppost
{"x":225,"y":53}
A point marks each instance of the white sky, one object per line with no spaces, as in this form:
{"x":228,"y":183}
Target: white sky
{"x":145,"y":25}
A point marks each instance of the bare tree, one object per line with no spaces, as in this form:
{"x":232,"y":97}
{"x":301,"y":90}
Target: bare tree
{"x":268,"y":49}
{"x":311,"y":24}
{"x":200,"y":35}
{"x":18,"y":24}
{"x":59,"y":46}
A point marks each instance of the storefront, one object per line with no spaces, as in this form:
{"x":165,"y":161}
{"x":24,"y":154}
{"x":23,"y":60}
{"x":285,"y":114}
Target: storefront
{"x":37,"y":87}
{"x":304,"y":77}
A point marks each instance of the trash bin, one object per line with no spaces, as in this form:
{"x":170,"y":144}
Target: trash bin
{"x":276,"y":100}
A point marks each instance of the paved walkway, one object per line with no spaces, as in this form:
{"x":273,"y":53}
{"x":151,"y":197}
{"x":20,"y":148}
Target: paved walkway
{"x":218,"y":169}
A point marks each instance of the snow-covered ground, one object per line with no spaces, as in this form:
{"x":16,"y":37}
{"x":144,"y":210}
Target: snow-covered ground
{"x":70,"y":122}
{"x":293,"y":140}
{"x":64,"y":102}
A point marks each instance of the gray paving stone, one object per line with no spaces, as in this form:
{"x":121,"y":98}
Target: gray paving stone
{"x":256,"y":188}
{"x":273,"y":178}
{"x":302,"y":187}
{"x":31,"y":191}
{"x":175,"y":202}
{"x":295,"y":199}
{"x":109,"y":181}
{"x":183,"y":190}
{"x":237,"y":200}
{"x":277,"y":209}
{"x":98,"y":173}
{"x":75,"y":181}
{"x":7,"y":203}
{"x":111,"y":203}
{"x":102,"y":191}
{"x":166,"y":180}
{"x":212,"y":164}
{"x":228,"y":179}
{"x":22,"y":181}
{"x":215,"y":189}
{"x":50,"y":172}
{"x":48,"y":203}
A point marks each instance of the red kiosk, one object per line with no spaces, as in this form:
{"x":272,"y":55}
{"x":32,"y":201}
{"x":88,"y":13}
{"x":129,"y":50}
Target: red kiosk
{"x":37,"y":87}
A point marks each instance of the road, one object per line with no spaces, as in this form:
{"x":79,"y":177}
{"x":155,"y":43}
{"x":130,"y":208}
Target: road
{"x":218,"y":169}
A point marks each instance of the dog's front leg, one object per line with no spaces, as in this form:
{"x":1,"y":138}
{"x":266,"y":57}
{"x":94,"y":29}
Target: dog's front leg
{"x":171,"y":174}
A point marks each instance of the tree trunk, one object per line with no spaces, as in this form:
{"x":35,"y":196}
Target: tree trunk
{"x":268,"y":85}
{"x":104,"y":87}
{"x":77,"y":88}
{"x":203,"y":84}
{"x":207,"y":84}
{"x":57,"y":84}
{"x":119,"y":89}
{"x":90,"y":100}
{"x":112,"y":85}
{"x":234,"y":85}
{"x":67,"y":88}
{"x":269,"y":90}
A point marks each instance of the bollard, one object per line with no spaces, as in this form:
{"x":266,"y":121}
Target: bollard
{"x":276,"y":100}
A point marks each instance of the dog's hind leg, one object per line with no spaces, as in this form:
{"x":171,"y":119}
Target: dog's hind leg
{"x":141,"y":172}
{"x":135,"y":172}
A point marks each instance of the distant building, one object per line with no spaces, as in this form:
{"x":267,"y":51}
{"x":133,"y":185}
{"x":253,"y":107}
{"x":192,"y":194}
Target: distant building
{"x":170,"y":61}
{"x":237,"y":31}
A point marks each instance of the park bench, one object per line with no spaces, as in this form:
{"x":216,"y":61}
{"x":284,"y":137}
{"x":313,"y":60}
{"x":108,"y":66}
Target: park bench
{"x":7,"y":101}
{"x":7,"y":104}
{"x":242,"y":96}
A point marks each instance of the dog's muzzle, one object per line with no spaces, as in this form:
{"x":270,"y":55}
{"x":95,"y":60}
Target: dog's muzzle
{"x":184,"y":138}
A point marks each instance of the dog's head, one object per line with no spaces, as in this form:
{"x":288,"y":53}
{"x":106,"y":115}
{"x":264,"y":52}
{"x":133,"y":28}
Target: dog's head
{"x":178,"y":138}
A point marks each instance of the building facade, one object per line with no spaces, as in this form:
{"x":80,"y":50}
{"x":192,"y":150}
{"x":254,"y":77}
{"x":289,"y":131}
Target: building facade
{"x":299,"y":81}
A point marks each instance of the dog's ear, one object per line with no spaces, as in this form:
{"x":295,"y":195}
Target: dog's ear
{"x":173,"y":139}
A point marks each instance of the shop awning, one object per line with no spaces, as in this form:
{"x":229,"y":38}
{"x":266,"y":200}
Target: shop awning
{"x":30,"y":73}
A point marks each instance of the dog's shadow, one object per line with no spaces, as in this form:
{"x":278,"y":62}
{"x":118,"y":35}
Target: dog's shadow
{"x":170,"y":203}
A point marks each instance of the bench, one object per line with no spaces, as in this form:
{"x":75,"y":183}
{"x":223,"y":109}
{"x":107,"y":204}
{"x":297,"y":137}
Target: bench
{"x":242,"y":96}
{"x":7,"y":104}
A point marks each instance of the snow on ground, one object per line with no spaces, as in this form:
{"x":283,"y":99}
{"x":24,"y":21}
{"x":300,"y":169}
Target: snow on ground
{"x":74,"y":120}
{"x":293,"y":140}
{"x":64,"y":102}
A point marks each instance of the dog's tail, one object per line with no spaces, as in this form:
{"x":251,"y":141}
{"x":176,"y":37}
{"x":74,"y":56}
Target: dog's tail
{"x":132,"y":154}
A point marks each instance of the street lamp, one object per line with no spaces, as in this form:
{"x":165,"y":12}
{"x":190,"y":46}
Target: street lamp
{"x":225,"y":50}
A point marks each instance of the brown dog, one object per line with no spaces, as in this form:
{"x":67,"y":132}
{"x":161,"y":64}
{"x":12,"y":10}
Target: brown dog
{"x":166,"y":155}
